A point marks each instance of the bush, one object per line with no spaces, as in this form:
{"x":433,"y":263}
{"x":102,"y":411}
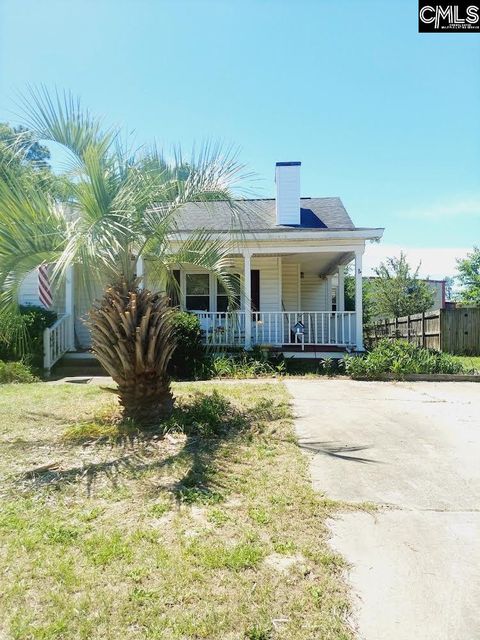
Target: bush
{"x":188,"y":358}
{"x":399,"y":357}
{"x":245,"y":364}
{"x":36,"y":320}
{"x":15,"y":372}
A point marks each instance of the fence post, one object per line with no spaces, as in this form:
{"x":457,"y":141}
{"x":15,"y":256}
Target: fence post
{"x":423,"y":329}
{"x":47,"y":362}
{"x":408,"y":328}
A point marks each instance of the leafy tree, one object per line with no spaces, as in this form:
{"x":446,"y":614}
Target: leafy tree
{"x":397,"y":290}
{"x":25,"y":157}
{"x":350,"y":295}
{"x":449,"y":288}
{"x":122,"y":206}
{"x":469,"y":278}
{"x":18,"y":146}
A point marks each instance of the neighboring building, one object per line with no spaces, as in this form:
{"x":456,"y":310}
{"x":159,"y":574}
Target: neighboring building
{"x":287,"y":253}
{"x":438,"y":288}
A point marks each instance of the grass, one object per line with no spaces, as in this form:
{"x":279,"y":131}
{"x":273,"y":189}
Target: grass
{"x":470,"y":363}
{"x":108,"y":534}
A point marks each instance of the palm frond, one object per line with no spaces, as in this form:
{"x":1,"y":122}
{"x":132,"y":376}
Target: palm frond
{"x":60,"y":117}
{"x":32,"y":231}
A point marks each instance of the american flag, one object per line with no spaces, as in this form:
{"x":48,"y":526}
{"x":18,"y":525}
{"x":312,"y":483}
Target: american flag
{"x":44,"y":289}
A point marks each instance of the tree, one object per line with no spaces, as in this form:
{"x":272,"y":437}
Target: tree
{"x":18,"y":145}
{"x":122,"y":207}
{"x":24,"y":156}
{"x":449,"y":288}
{"x":397,"y":290}
{"x":350,"y":295}
{"x":469,"y":278}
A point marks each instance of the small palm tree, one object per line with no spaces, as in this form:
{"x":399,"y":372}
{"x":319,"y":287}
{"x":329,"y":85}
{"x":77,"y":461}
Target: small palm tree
{"x":121,"y":206}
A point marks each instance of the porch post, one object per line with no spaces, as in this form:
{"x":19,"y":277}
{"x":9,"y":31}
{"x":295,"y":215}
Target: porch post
{"x":358,"y":300}
{"x":341,"y":288}
{"x":247,"y":295}
{"x":328,"y":294}
{"x":70,"y":307}
{"x":140,"y":271}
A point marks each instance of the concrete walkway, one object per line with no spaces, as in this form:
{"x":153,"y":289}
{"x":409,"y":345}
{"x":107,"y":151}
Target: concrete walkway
{"x":413,"y":449}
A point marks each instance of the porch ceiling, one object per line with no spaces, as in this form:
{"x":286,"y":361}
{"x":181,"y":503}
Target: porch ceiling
{"x":319,"y":263}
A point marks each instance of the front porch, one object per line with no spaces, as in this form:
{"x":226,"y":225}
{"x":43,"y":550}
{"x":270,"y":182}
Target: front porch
{"x":291,"y":301}
{"x":291,"y":298}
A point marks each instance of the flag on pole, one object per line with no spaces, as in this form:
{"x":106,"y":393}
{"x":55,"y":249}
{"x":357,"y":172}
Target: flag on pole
{"x":44,"y":289}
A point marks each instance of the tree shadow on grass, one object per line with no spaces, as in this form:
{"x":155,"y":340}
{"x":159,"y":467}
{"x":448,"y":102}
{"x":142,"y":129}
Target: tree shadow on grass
{"x":189,"y":441}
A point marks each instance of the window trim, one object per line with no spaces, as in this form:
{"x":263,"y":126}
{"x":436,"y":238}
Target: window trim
{"x":212,"y":286}
{"x":183,"y":286}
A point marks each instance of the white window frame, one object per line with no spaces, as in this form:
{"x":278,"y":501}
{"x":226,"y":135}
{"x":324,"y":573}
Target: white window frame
{"x":183,"y":287}
{"x":212,"y":288}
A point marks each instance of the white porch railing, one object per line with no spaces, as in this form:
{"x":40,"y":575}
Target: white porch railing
{"x":57,"y":340}
{"x":334,"y":328}
{"x":222,"y":329}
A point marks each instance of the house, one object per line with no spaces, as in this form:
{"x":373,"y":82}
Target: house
{"x":287,"y":251}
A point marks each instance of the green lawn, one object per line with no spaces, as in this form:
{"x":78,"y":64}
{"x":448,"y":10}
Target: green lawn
{"x":219,"y":536}
{"x":471,"y":363}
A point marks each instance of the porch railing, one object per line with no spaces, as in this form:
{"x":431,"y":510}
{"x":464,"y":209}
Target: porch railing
{"x":280,"y":328}
{"x":57,"y":340}
{"x":222,"y":329}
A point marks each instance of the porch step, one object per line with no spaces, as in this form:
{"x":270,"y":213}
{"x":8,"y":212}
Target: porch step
{"x":78,"y":364}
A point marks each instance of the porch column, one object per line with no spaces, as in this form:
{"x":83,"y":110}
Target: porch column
{"x":328,"y":293}
{"x":247,"y":296}
{"x":70,"y":307}
{"x":341,"y":288}
{"x":140,"y":271}
{"x":358,"y":300}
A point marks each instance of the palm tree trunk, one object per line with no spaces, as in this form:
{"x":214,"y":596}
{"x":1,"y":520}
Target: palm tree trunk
{"x":146,"y":400}
{"x":133,"y":339}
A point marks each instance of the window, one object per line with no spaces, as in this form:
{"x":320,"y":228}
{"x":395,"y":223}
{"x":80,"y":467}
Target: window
{"x":197,"y":295}
{"x":222,"y":298}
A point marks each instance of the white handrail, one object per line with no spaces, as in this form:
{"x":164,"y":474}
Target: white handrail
{"x":57,"y":340}
{"x":329,"y":328}
{"x":222,"y":328}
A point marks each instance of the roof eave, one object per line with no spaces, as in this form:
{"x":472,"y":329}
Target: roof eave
{"x":294,"y":234}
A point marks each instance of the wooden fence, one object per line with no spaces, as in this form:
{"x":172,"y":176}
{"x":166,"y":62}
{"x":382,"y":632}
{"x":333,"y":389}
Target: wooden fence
{"x":452,"y":330}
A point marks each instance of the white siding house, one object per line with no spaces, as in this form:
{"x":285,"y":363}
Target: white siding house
{"x":287,"y":251}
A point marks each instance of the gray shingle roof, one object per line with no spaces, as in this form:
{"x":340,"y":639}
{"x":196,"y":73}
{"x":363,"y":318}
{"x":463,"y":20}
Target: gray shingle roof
{"x":259,"y":215}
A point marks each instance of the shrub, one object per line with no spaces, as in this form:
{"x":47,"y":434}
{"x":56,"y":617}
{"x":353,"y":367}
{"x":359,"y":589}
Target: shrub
{"x":246,"y":364}
{"x":15,"y":372}
{"x":36,"y":320}
{"x":399,"y":357}
{"x":189,"y":356}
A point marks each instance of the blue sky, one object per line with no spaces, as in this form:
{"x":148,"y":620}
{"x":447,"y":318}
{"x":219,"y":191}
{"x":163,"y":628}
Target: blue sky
{"x":380,"y":115}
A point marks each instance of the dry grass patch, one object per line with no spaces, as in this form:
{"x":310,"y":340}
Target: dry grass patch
{"x":209,"y":529}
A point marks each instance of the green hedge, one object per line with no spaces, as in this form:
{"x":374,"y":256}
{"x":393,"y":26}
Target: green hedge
{"x":36,"y":320}
{"x":188,"y":359}
{"x":399,"y":357}
{"x":15,"y":372}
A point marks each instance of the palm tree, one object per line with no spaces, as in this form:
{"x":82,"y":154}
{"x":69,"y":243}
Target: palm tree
{"x":121,"y":206}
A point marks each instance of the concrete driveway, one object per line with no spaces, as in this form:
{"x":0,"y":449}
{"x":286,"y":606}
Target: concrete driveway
{"x":414,"y":450}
